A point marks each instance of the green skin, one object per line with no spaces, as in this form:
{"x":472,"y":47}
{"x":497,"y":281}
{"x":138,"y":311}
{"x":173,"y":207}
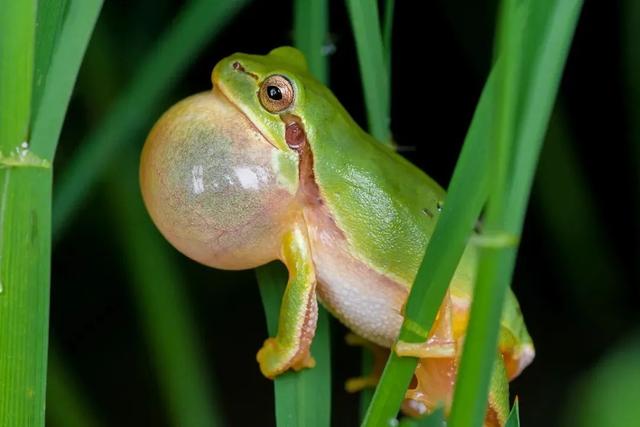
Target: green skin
{"x":343,"y":193}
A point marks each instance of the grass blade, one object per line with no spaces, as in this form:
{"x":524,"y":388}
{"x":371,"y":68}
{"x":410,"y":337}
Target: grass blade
{"x":467,"y":193}
{"x":514,"y":416}
{"x":25,"y":187}
{"x":310,"y":29}
{"x":140,"y":102}
{"x":163,"y":306}
{"x":61,"y":76}
{"x":387,"y":32}
{"x":478,"y":357}
{"x":550,"y":30}
{"x":365,"y":22}
{"x":50,"y":18}
{"x":302,"y":398}
{"x":464,"y":201}
{"x":374,"y":55}
{"x":24,"y":265}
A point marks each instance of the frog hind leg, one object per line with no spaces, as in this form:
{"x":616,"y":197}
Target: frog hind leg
{"x":435,"y":376}
{"x":290,"y":348}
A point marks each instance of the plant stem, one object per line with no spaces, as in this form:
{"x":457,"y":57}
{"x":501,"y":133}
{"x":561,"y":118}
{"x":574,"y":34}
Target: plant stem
{"x":25,"y":189}
{"x":25,"y":194}
{"x":365,"y":21}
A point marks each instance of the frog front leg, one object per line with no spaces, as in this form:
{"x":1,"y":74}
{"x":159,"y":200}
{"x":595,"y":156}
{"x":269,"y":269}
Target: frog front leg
{"x":289,"y":349}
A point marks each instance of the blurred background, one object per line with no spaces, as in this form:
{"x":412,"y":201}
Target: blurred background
{"x":122,"y":298}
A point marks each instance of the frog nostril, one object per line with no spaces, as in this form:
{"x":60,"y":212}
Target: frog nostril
{"x":237,"y":66}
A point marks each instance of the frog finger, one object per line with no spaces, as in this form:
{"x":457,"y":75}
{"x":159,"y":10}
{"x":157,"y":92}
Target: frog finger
{"x":289,"y":349}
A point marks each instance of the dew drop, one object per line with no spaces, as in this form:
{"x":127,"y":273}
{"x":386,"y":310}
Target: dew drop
{"x":23,"y":149}
{"x":393,"y":422}
{"x":1,"y":288}
{"x":328,"y":48}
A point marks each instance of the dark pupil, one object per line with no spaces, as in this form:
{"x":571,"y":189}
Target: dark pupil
{"x":274,"y":93}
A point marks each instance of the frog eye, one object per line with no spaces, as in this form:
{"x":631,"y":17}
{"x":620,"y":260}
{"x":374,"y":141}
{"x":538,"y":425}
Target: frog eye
{"x":276,"y":93}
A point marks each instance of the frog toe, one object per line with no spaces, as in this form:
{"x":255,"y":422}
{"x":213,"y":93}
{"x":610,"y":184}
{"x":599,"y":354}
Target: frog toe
{"x":275,"y":359}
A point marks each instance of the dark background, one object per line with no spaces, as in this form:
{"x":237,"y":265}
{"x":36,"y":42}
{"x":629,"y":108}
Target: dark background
{"x":576,"y":275}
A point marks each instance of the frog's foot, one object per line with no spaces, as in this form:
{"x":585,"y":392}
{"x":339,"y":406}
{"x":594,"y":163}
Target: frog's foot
{"x":432,"y":386}
{"x":440,"y":343}
{"x":356,"y":384}
{"x":274,"y":358}
{"x":435,"y":374}
{"x":380,"y":355}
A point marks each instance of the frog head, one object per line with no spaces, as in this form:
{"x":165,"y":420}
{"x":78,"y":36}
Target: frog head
{"x":219,"y":171}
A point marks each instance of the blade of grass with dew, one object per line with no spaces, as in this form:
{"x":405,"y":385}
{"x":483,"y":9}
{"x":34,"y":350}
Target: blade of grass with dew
{"x":23,"y":280}
{"x":365,"y":22}
{"x":71,"y":409}
{"x":302,"y":398}
{"x":141,"y":101}
{"x":474,"y":372}
{"x":163,"y":305}
{"x":25,"y":183}
{"x":550,"y":29}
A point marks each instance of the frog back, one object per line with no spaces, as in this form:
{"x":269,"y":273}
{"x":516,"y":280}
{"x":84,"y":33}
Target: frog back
{"x":386,"y":207}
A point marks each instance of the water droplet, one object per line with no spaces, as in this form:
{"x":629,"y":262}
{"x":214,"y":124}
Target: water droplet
{"x":439,"y":205}
{"x":1,"y":287}
{"x":329,"y":48}
{"x":23,"y":149}
{"x":393,"y":422}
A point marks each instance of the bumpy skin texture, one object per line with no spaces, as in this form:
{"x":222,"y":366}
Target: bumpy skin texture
{"x":234,"y":183}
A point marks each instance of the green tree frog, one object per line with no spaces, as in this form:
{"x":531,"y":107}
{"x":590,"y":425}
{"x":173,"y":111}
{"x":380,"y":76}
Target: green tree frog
{"x":269,"y":166}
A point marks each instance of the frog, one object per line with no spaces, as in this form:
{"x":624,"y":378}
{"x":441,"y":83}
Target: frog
{"x":269,"y":166}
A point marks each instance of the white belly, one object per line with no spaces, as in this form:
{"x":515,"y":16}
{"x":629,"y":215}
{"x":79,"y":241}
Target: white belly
{"x":366,"y":301}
